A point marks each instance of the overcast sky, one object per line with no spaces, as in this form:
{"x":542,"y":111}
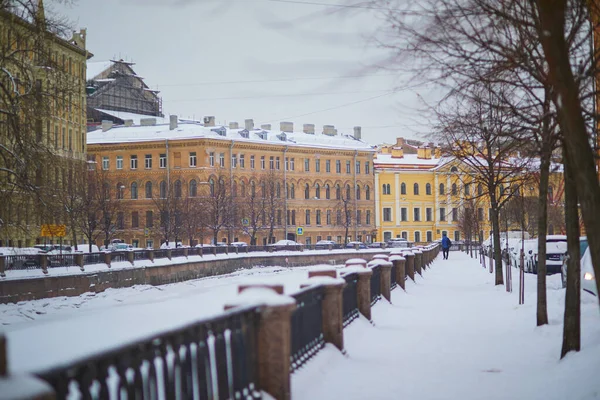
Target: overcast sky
{"x":269,"y":60}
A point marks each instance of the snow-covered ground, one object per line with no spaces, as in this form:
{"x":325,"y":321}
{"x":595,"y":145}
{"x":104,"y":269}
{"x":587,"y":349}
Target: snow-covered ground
{"x":454,"y":335}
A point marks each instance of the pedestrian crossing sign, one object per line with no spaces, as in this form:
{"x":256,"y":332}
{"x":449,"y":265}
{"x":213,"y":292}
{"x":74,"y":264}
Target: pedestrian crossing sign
{"x":299,"y":231}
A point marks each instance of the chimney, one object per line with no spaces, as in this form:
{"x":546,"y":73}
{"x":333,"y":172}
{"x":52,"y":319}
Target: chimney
{"x":128,"y":122}
{"x":209,"y":121}
{"x":397,"y":152}
{"x":249,"y":124}
{"x":357,"y":132}
{"x":400,"y":142}
{"x":329,"y":130}
{"x":234,"y":125}
{"x":286,"y":126}
{"x":265,"y":127}
{"x":172,"y":122}
{"x":147,"y":121}
{"x":106,"y":125}
{"x":309,"y":129}
{"x":424,"y":153}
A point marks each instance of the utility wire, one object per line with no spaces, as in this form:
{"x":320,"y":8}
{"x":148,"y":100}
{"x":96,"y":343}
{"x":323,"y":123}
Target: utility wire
{"x":275,"y":80}
{"x":316,"y":3}
{"x":275,"y":95}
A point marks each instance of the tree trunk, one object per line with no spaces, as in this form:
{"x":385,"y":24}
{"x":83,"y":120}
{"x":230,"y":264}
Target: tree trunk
{"x":572,"y":318}
{"x":571,"y":121}
{"x":542,"y":303}
{"x":496,"y":239}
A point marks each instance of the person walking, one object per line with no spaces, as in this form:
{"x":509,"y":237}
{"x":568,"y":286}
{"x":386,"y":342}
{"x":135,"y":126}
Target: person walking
{"x":446,"y":243}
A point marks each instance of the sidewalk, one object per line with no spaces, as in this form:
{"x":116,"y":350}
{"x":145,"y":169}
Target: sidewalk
{"x":454,"y":335}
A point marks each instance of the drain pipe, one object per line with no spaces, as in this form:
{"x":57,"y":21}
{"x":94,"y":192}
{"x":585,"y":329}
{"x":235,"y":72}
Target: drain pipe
{"x":285,"y":186}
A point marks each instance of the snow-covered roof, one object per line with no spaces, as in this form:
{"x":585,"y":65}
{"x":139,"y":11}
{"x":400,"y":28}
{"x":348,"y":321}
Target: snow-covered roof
{"x":191,"y":130}
{"x":95,"y":68}
{"x":133,"y":116}
{"x":407,"y":159}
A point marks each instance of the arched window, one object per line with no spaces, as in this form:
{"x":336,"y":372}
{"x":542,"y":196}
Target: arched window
{"x":327,"y":192}
{"x":163,"y":189}
{"x":317,"y":191}
{"x":367,"y":193}
{"x":480,"y":189}
{"x":193,"y":192}
{"x":338,"y":192}
{"x":403,"y":188}
{"x":307,"y":192}
{"x":263,"y":190}
{"x":134,"y":191}
{"x":442,"y":189}
{"x":211,"y":184}
{"x":348,"y":192}
{"x":106,"y":191}
{"x":177,"y":189}
{"x":357,"y":192}
{"x":252,"y":189}
{"x":120,"y":190}
{"x":454,"y":189}
{"x":278,"y":190}
{"x":550,"y":193}
{"x":385,"y":189}
{"x":293,"y":192}
{"x":234,"y":189}
{"x":428,"y":189}
{"x":242,"y":189}
{"x":467,"y":189}
{"x":453,"y":169}
{"x":501,"y":190}
{"x":328,"y":217}
{"x":148,"y":190}
{"x":416,"y":188}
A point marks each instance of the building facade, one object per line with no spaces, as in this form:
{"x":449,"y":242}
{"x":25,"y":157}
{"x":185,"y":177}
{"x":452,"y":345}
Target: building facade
{"x":424,"y":195}
{"x":322,"y":183}
{"x":43,"y":76}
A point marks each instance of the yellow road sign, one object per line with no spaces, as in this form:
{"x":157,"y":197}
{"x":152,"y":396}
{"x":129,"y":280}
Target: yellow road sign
{"x":51,"y":230}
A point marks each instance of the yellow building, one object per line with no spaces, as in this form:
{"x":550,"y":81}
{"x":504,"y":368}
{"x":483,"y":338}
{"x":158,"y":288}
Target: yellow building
{"x":43,"y":76}
{"x":327,"y":176}
{"x":421,"y":196}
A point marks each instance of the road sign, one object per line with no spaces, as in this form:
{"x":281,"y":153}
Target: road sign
{"x":51,"y":230}
{"x":245,"y":221}
{"x":146,"y":231}
{"x":299,"y":231}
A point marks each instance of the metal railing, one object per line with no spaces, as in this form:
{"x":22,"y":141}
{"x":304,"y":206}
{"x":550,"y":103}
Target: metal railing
{"x":62,"y":260}
{"x":22,"y":262}
{"x":393,"y":277}
{"x":93,"y":258}
{"x":178,"y":252}
{"x":307,"y":326}
{"x":210,"y":359}
{"x":139,"y":255}
{"x":376,"y":285}
{"x":161,"y":253}
{"x":119,"y":256}
{"x":350,"y":299}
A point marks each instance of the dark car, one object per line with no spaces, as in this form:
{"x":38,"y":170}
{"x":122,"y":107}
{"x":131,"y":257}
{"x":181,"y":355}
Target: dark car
{"x":324,"y":244}
{"x":377,"y":245}
{"x":352,"y":245}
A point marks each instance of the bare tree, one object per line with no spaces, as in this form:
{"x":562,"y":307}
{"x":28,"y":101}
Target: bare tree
{"x":345,"y":209}
{"x":253,"y":207}
{"x":475,"y":132}
{"x":219,"y":206}
{"x":170,"y":205}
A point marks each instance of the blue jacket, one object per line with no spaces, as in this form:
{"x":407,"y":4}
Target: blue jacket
{"x":446,"y":243}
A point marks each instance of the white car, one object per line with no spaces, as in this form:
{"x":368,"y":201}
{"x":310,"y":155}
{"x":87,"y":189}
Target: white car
{"x":238,"y":244}
{"x":588,"y":280}
{"x":286,"y":245}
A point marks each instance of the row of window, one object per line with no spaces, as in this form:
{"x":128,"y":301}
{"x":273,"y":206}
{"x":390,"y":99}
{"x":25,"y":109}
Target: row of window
{"x":417,"y":236}
{"x":387,"y":214}
{"x":291,"y":218}
{"x":387,"y":189}
{"x":275,"y":190}
{"x":236,"y":160}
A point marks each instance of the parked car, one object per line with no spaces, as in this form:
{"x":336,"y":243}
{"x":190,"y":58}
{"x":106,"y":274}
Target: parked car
{"x":588,"y":279}
{"x":352,"y":245}
{"x":583,"y":246}
{"x":286,"y":245}
{"x":20,"y":257}
{"x":324,"y":244}
{"x":556,"y":247}
{"x":238,"y":244}
{"x":377,"y":245}
{"x":171,"y":245}
{"x":398,"y":243}
{"x":120,"y":247}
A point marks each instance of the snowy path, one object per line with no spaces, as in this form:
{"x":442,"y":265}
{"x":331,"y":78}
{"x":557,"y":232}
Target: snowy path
{"x":453,"y":335}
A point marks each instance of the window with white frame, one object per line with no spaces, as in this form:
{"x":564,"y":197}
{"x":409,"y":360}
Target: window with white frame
{"x":417,"y":236}
{"x":306,"y":164}
{"x":222,"y":160}
{"x":429,"y":236}
{"x":404,"y":214}
{"x":234,"y":161}
{"x":338,"y":166}
{"x":367,"y":168}
{"x":148,"y":161}
{"x":211,"y":159}
{"x":193,"y":159}
{"x":348,"y":171}
{"x":416,"y":214}
{"x":252,"y":162}
{"x":162,"y":161}
{"x":105,"y":163}
{"x":327,"y":165}
{"x":271,"y":162}
{"x":262,"y":162}
{"x":119,"y":162}
{"x":428,"y":214}
{"x":442,"y":214}
{"x":387,"y":214}
{"x":317,"y":165}
{"x":133,"y":162}
{"x":292,"y":163}
{"x":277,"y":163}
{"x":242,"y":161}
